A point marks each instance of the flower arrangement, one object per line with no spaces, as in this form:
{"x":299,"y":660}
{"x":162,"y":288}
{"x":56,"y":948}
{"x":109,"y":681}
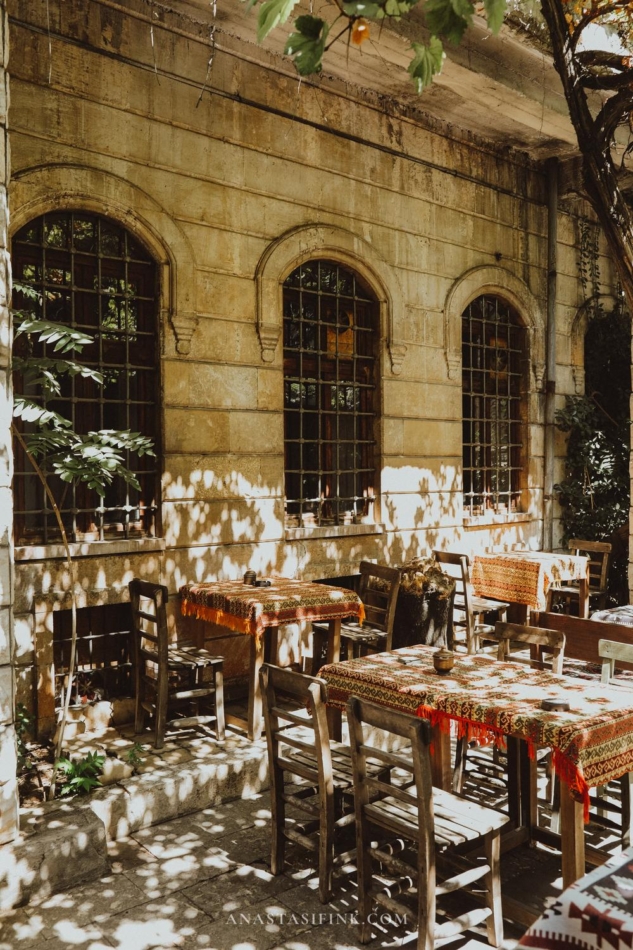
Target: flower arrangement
{"x":423,"y":575}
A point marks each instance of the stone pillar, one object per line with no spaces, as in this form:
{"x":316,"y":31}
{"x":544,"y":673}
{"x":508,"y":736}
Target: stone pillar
{"x":8,"y":782}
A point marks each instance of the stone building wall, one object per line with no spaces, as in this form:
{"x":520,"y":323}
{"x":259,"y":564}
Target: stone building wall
{"x":229,"y":193}
{"x":8,"y":784}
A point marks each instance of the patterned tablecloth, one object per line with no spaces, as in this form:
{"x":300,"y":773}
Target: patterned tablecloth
{"x":595,"y":913}
{"x":524,"y":577}
{"x":247,"y":609}
{"x":487,"y":700}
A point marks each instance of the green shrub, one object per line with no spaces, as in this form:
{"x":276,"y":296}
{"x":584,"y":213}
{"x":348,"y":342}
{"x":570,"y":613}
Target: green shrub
{"x":80,"y":775}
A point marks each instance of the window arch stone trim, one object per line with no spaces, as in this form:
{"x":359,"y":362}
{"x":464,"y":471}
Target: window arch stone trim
{"x":579,"y":327}
{"x":489,"y":279}
{"x":327,"y":241}
{"x":47,"y":188}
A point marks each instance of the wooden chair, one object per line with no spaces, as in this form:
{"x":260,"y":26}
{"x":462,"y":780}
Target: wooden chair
{"x":541,"y":643}
{"x":470,"y":610}
{"x":378,"y":591}
{"x":165,"y":673}
{"x":611,"y":652}
{"x":418,"y":822}
{"x":599,"y":552}
{"x":299,"y":746}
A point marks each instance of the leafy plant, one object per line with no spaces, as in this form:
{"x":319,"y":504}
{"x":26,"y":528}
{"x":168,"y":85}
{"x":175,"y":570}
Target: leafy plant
{"x":54,"y":448}
{"x":23,"y":725}
{"x":445,"y":20}
{"x":133,"y":756}
{"x":595,"y":492}
{"x":81,"y":775}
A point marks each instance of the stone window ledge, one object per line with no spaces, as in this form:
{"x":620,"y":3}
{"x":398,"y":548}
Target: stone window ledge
{"x":78,"y":549}
{"x":480,"y":521}
{"x":332,"y":531}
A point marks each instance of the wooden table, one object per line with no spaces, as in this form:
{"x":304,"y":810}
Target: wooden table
{"x":259,"y":611}
{"x":487,"y":700}
{"x":525,"y":577}
{"x":595,"y":913}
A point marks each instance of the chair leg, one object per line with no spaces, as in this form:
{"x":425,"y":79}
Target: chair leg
{"x":426,"y":891}
{"x":218,"y":677}
{"x":326,"y":850}
{"x":625,"y":800}
{"x":161,"y":707}
{"x":319,"y":639}
{"x":494,"y":923}
{"x":139,"y":712}
{"x":459,"y":771}
{"x":278,"y":816}
{"x":363,"y":866}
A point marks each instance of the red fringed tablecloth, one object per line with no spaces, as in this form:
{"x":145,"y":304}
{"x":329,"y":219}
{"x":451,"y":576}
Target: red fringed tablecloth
{"x":486,"y":700}
{"x":247,"y":609}
{"x":524,"y":577}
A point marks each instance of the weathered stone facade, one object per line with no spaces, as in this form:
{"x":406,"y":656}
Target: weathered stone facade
{"x":8,"y":782}
{"x":229,"y":194}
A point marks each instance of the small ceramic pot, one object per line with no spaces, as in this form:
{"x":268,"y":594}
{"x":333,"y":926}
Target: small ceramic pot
{"x":443,"y":660}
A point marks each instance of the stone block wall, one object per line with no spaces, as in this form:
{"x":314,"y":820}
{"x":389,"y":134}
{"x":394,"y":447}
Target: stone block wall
{"x":8,"y":784}
{"x":228,"y":191}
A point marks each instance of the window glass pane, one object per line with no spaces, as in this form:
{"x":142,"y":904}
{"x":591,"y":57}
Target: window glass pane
{"x":493,"y":342}
{"x":330,"y":339}
{"x":81,"y":264}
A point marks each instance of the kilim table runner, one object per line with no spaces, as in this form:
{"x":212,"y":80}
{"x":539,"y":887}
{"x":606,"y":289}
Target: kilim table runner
{"x":486,"y":699}
{"x":247,"y":609}
{"x":524,"y":577}
{"x":260,"y":611}
{"x":595,"y":913}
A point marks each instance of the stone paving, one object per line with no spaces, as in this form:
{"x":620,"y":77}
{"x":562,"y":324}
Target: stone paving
{"x":201,"y":882}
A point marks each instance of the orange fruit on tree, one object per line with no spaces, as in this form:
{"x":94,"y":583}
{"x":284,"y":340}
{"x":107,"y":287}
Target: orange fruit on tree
{"x":360,"y":31}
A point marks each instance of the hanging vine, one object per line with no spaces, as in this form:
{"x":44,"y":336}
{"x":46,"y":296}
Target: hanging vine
{"x":595,"y":493}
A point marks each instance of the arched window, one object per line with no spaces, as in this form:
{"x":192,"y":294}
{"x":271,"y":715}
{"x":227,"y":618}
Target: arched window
{"x":494,"y":353}
{"x":94,"y":275}
{"x":330,"y":338}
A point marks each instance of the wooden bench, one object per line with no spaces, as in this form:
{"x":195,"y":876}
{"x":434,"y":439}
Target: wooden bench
{"x":583,"y":636}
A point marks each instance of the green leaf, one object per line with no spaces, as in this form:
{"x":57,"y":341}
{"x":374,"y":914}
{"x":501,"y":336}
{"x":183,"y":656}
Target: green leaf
{"x":271,"y":14}
{"x":495,"y":11}
{"x":442,"y":20}
{"x":363,"y":8}
{"x":30,"y":411}
{"x":65,"y":338}
{"x":426,"y":63}
{"x":308,"y":45}
{"x":462,"y":8}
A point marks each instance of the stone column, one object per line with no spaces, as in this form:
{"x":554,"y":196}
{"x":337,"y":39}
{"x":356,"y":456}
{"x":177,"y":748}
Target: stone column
{"x":8,"y":782}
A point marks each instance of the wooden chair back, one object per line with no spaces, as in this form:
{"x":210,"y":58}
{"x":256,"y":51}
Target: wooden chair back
{"x":298,"y":744}
{"x":416,"y":761}
{"x":428,"y":818}
{"x":458,"y":567}
{"x":378,"y":590}
{"x":287,"y":726}
{"x":542,"y":643}
{"x":610,"y":651}
{"x":149,"y":623}
{"x":599,"y":554}
{"x":583,"y":636}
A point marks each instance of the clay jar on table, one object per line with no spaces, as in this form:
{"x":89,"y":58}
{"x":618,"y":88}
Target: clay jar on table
{"x":443,"y":660}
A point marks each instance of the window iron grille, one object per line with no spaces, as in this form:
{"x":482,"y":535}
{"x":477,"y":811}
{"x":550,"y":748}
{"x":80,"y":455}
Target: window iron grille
{"x":93,"y":275}
{"x":330,"y":333}
{"x":494,"y":351}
